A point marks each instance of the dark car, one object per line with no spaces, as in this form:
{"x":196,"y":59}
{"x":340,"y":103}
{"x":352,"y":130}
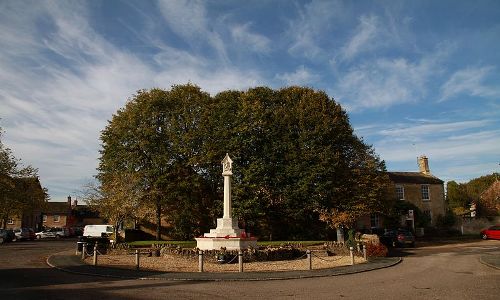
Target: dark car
{"x":22,"y":234}
{"x":11,"y":236}
{"x":492,"y":232}
{"x":3,"y":236}
{"x":398,"y":238}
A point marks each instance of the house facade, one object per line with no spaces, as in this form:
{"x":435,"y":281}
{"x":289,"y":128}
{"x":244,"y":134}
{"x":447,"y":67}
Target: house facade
{"x":421,"y":189}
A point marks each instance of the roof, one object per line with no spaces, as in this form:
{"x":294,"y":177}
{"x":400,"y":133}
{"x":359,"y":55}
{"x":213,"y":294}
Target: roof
{"x":413,"y":177}
{"x":57,"y":207}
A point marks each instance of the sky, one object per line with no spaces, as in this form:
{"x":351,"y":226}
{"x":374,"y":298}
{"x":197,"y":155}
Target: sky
{"x":416,"y":77}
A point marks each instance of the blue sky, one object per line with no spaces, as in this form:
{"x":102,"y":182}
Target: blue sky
{"x":416,"y":77}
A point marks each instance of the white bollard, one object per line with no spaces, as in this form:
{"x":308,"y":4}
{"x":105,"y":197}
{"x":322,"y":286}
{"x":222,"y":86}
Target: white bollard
{"x":95,"y":254}
{"x":309,"y":259}
{"x":84,"y":249}
{"x":137,"y":254}
{"x":364,"y":252}
{"x":200,"y":261}
{"x":352,"y":255}
{"x":240,"y":260}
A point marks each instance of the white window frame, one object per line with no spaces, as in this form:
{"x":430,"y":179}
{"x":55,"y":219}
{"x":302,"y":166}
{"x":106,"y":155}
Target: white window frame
{"x":10,"y":221}
{"x":402,"y":192}
{"x":57,"y":218}
{"x":44,"y":218}
{"x":425,"y":189}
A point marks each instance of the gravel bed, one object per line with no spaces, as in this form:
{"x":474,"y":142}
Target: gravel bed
{"x":173,"y":263}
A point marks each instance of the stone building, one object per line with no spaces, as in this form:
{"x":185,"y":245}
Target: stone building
{"x":421,"y":188}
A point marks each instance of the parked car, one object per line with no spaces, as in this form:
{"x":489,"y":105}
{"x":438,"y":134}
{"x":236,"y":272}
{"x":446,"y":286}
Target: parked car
{"x":492,"y":232}
{"x":22,"y":234}
{"x":10,"y":235}
{"x":32,"y":234}
{"x":398,"y":238}
{"x":3,"y":236}
{"x":52,"y":233}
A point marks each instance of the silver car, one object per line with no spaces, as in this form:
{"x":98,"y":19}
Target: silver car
{"x":51,"y":233}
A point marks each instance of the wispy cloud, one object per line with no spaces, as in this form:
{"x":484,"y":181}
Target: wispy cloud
{"x":301,"y":76}
{"x":386,"y":82}
{"x":306,"y":31}
{"x":446,"y":143}
{"x":433,"y":129}
{"x":256,"y":42}
{"x":365,"y":35}
{"x":469,"y":81}
{"x":188,"y":19}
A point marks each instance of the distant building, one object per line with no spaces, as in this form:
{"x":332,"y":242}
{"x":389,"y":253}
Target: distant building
{"x":56,"y":214}
{"x":29,"y":215}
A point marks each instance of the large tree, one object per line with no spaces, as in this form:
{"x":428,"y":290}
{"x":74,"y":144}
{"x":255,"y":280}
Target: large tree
{"x":295,"y":154}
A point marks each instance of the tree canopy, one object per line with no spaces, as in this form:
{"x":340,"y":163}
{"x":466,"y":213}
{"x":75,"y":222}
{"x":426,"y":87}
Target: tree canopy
{"x":460,"y":196}
{"x":296,"y":158}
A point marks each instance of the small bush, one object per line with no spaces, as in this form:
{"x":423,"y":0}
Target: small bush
{"x":373,"y":250}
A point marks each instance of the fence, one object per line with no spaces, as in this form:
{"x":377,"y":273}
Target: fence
{"x":310,"y":256}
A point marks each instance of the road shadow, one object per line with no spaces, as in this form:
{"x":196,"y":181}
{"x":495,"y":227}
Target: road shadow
{"x":39,"y":283}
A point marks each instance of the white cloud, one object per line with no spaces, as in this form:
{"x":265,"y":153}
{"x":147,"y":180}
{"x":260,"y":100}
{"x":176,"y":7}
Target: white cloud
{"x":469,"y":81}
{"x":432,"y":129}
{"x":188,"y":19}
{"x":386,"y":82}
{"x":301,"y":76}
{"x":306,"y":31}
{"x":243,"y":36}
{"x":363,"y":39}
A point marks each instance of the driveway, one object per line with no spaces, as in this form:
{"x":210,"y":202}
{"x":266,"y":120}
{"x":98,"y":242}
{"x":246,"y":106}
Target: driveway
{"x":450,"y":271}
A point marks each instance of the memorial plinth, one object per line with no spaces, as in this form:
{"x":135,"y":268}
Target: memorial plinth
{"x":227,"y":234}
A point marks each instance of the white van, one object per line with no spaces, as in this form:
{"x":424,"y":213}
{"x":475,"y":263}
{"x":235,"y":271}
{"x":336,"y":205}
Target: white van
{"x":98,"y":231}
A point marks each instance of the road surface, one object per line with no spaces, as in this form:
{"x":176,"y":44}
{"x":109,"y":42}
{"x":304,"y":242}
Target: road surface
{"x":450,"y":271}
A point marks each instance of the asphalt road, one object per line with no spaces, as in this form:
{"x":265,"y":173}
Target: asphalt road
{"x":450,"y":271}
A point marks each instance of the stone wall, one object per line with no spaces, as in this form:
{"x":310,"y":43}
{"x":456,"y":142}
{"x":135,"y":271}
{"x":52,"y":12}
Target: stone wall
{"x":474,"y":226}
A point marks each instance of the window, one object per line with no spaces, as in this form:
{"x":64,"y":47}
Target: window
{"x":400,"y":192}
{"x":44,"y":217}
{"x":374,"y":221}
{"x":56,"y":218}
{"x":425,"y":192}
{"x":10,"y":221}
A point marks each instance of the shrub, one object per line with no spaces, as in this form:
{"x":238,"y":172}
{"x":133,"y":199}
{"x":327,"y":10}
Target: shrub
{"x":374,"y":250}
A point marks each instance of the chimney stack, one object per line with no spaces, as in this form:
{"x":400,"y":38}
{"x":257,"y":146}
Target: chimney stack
{"x":423,"y":165}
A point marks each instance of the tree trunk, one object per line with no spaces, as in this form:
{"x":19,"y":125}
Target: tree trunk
{"x":340,"y":234}
{"x":158,"y":221}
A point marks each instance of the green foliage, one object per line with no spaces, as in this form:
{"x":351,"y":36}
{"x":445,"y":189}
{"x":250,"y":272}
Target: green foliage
{"x":460,"y":196}
{"x":351,"y":238}
{"x":446,"y":221}
{"x":296,"y":159}
{"x":401,"y":208}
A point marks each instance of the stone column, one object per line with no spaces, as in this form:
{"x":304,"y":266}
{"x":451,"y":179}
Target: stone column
{"x":227,"y":172}
{"x":227,"y":197}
